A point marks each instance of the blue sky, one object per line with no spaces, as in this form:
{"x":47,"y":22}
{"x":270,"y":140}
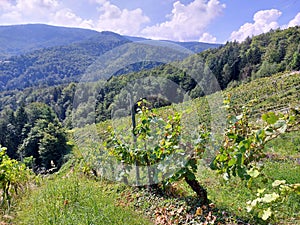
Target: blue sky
{"x":181,"y":20}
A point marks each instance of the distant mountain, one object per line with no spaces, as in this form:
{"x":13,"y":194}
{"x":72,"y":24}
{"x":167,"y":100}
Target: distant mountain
{"x":44,"y":55}
{"x":55,"y":65}
{"x":193,"y":46}
{"x":197,"y":47}
{"x":19,"y":39}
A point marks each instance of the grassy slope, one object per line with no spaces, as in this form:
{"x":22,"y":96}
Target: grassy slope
{"x":232,"y":195}
{"x":75,"y":200}
{"x":86,"y":198}
{"x":72,"y":197}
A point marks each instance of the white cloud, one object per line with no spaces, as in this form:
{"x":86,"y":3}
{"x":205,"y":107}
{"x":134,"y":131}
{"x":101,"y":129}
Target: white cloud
{"x":40,"y":11}
{"x":66,"y":17}
{"x":29,"y":5}
{"x":208,"y":38}
{"x":27,"y":11}
{"x":122,"y":21}
{"x":186,"y":22}
{"x":264,"y":21}
{"x":4,"y":5}
{"x":295,"y":21}
{"x":54,"y":12}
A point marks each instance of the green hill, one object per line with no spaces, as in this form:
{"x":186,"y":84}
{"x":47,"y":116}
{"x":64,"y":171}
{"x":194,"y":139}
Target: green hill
{"x":55,"y":65}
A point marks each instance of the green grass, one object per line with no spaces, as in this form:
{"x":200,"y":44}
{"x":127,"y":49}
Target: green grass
{"x":232,"y":195}
{"x":75,"y":200}
{"x":286,"y":145}
{"x":282,"y":164}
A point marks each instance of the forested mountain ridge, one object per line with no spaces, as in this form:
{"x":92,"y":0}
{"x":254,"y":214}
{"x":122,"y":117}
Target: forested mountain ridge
{"x":55,"y":65}
{"x":20,"y":39}
{"x":259,"y":56}
{"x":233,"y":63}
{"x":43,"y":55}
{"x":50,"y":123}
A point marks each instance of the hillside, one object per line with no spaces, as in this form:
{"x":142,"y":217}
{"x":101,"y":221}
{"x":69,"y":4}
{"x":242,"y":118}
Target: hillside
{"x":55,"y":65}
{"x":281,"y":159}
{"x":232,"y":64}
{"x":83,"y":186}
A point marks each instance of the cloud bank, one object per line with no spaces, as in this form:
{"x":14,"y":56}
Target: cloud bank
{"x":121,"y":21}
{"x":264,"y":21}
{"x":186,"y":22}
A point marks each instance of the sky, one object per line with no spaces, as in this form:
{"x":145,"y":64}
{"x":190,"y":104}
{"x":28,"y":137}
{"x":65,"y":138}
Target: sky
{"x":213,"y":21}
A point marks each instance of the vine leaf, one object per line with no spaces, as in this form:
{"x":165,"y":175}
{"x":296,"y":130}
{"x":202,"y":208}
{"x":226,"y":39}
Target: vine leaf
{"x":266,"y":214}
{"x":277,"y":183}
{"x":270,"y":197}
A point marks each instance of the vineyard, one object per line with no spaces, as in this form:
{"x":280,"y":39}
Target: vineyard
{"x":247,"y":174}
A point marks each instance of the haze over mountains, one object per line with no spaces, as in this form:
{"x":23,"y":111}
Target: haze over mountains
{"x":38,"y":54}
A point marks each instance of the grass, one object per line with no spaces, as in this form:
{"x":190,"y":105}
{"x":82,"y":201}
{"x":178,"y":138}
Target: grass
{"x":232,"y":195}
{"x":282,"y":164}
{"x":74,"y":200}
{"x":286,"y":145}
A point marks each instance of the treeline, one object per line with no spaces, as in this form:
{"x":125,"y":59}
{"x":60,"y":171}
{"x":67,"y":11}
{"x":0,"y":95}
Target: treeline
{"x":33,"y":133}
{"x":82,"y":100}
{"x":260,"y":56}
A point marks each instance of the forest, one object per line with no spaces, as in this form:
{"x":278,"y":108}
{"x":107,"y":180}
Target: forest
{"x":232,"y":64}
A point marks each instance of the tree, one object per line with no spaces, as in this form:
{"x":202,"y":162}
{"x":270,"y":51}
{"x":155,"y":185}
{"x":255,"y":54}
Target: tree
{"x":295,"y":64}
{"x":46,"y":140}
{"x":21,"y":120}
{"x":9,"y":132}
{"x":52,"y":146}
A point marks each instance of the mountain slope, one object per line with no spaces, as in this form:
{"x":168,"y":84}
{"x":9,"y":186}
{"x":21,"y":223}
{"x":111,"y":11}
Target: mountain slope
{"x":19,"y":39}
{"x":37,"y":54}
{"x":193,"y":46}
{"x":55,"y":65}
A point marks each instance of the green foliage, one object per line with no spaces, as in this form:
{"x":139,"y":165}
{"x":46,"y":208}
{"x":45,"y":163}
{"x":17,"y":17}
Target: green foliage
{"x":46,"y":142}
{"x":243,"y":144}
{"x":233,"y":63}
{"x":244,"y":141}
{"x":13,"y":178}
{"x":153,"y":140}
{"x":244,"y":149}
{"x":265,"y":204}
{"x":156,"y":140}
{"x":34,"y":130}
{"x":62,"y":57}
